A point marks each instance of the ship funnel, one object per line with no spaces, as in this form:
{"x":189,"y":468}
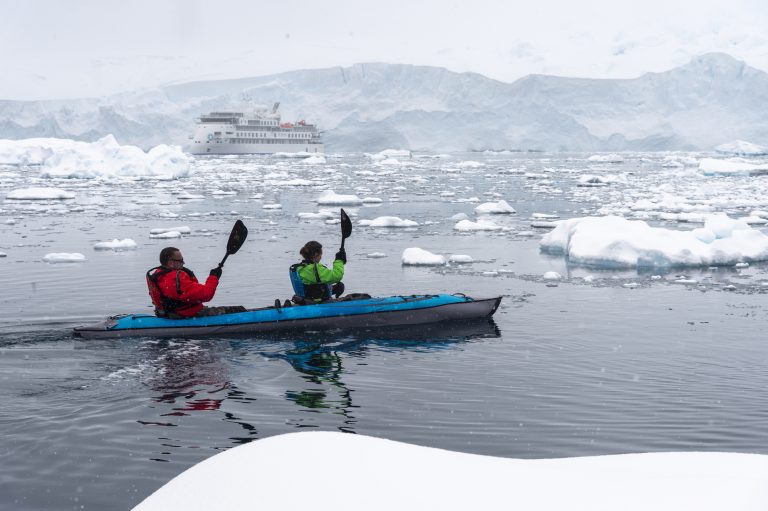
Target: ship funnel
{"x":274,"y":108}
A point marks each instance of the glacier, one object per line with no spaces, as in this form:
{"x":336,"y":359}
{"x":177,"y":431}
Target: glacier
{"x":713,"y":100}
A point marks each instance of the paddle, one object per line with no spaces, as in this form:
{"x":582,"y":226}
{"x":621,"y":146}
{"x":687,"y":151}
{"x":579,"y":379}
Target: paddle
{"x":236,"y":240}
{"x":346,"y":227}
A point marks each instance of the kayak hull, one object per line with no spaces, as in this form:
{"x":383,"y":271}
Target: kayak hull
{"x":354,"y":314}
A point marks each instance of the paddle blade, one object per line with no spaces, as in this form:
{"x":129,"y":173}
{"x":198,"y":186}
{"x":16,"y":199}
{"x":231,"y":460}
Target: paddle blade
{"x":346,"y":225}
{"x":237,"y":237}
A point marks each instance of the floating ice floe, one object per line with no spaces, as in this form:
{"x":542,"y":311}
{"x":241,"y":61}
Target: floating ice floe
{"x":295,"y":182}
{"x":372,"y":200}
{"x":64,"y":257}
{"x":606,"y":158}
{"x":495,"y":208}
{"x":590,"y":180}
{"x":615,"y":242}
{"x":272,"y":206}
{"x":223,"y":192}
{"x":461,"y":259}
{"x":389,"y":221}
{"x":166,"y":235}
{"x":376,"y":255}
{"x":189,"y":196}
{"x":713,"y":166}
{"x":3,"y":254}
{"x":742,"y":148}
{"x":415,"y":256}
{"x":390,"y":153}
{"x":329,"y":197}
{"x":314,"y":160}
{"x":551,"y":275}
{"x":320,"y":215}
{"x":470,"y":164}
{"x":459,"y":216}
{"x":182,"y":229}
{"x":116,"y":245}
{"x":38,"y":193}
{"x":481,"y":225}
{"x":450,"y":481}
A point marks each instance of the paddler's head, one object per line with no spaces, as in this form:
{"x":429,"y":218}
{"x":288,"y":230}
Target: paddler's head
{"x":312,"y":252}
{"x":171,"y":258}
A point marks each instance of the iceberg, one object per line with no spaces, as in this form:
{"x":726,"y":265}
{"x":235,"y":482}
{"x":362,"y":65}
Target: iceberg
{"x":105,"y":158}
{"x":713,"y":166}
{"x":615,"y":242}
{"x":741,"y":148}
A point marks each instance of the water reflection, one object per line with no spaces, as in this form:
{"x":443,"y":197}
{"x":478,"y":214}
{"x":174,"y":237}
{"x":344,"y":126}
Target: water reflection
{"x":320,"y":363}
{"x":197,"y":381}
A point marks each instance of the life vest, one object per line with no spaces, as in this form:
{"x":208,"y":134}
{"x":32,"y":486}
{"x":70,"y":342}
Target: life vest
{"x":165,"y":304}
{"x":315,"y":291}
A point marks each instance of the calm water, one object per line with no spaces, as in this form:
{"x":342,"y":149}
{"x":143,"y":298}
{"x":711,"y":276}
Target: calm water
{"x":584,"y":367}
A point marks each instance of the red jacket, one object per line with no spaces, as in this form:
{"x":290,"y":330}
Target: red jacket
{"x":182,"y":287}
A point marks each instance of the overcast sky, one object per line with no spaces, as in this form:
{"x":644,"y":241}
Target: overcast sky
{"x":53,"y":49}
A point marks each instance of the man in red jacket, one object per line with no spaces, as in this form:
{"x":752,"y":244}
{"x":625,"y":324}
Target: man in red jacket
{"x":177,"y":294}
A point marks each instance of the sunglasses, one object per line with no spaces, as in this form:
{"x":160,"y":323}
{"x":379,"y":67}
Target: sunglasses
{"x":177,"y":260}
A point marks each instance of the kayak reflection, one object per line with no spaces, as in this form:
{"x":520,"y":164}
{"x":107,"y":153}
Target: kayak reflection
{"x":319,"y":360}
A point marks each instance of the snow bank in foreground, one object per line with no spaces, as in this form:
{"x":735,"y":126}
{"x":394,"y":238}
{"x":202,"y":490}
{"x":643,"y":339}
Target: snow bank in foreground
{"x":329,"y":197}
{"x":416,"y":477}
{"x":415,"y":256}
{"x":742,"y":148}
{"x":39,"y":194}
{"x":615,"y":242}
{"x":63,"y":257}
{"x":103,"y":158}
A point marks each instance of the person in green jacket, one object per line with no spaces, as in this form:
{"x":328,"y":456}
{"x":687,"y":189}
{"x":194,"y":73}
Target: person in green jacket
{"x":319,"y":281}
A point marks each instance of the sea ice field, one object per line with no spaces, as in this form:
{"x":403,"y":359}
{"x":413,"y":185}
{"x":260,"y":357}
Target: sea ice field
{"x":632,"y":321}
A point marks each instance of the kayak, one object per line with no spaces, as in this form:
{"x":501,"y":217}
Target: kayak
{"x":361,"y":313}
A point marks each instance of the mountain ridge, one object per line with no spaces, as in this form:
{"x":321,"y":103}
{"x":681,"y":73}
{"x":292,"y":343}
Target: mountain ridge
{"x":712,"y":99}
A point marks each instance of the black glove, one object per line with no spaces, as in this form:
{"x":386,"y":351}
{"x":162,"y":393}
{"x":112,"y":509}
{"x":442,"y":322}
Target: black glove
{"x":216,"y":272}
{"x":341,"y":255}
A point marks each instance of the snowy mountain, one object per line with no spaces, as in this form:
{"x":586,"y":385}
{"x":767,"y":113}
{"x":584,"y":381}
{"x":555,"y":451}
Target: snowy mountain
{"x":712,"y":100}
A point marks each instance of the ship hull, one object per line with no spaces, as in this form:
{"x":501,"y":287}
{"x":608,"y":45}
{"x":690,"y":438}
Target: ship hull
{"x":215,"y":147}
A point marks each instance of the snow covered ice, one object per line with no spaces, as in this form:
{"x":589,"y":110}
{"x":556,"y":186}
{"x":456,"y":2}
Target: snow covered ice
{"x":448,"y":480}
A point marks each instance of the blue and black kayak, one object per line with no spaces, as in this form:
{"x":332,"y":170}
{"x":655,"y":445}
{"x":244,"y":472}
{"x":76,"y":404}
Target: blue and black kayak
{"x":391,"y":311}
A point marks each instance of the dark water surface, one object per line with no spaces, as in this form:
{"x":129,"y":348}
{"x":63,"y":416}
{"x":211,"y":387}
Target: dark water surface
{"x":584,"y":367}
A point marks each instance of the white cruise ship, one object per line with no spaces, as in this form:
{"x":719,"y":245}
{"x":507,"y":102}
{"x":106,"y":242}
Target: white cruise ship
{"x":258,"y":132}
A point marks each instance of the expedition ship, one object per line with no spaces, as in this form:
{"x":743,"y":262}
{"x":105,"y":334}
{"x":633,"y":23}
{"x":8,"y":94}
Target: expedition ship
{"x":259,"y":132}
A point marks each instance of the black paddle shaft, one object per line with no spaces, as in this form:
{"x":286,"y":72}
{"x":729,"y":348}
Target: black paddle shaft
{"x":236,"y":240}
{"x":346,"y":227}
